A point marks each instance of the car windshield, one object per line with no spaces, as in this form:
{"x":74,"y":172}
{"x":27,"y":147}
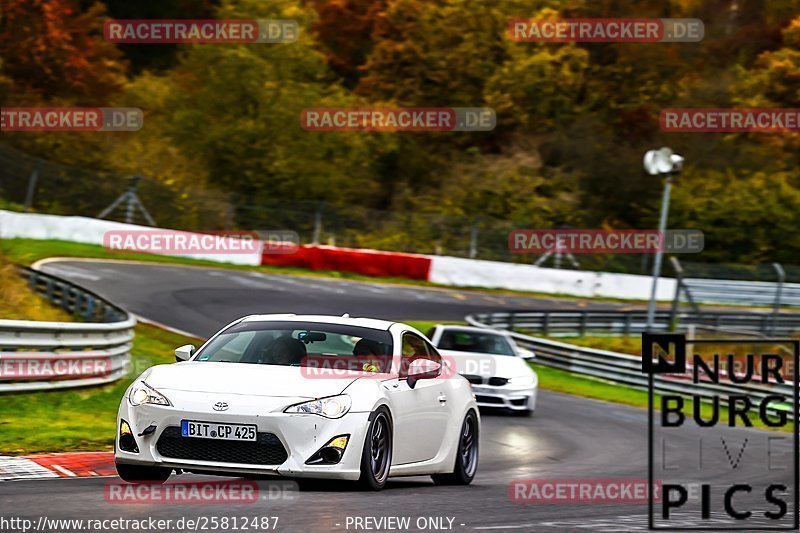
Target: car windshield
{"x":475,"y":341}
{"x":291,"y":343}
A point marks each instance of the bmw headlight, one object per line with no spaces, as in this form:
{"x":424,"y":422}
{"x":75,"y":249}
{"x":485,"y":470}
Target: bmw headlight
{"x":330,"y":407}
{"x":522,"y":380}
{"x":142,"y":393}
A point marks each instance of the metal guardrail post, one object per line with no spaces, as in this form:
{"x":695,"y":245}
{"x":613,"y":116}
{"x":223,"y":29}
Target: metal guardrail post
{"x":546,"y":324}
{"x":89,"y":308}
{"x":34,"y":177}
{"x":584,"y":320}
{"x":673,"y":313}
{"x":776,"y":309}
{"x":65,"y":290}
{"x":317,"y":233}
{"x":473,"y":239}
{"x":49,"y":289}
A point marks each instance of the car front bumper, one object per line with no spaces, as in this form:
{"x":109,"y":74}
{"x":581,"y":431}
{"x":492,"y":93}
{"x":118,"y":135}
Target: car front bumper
{"x":505,"y":397}
{"x":300,"y":435}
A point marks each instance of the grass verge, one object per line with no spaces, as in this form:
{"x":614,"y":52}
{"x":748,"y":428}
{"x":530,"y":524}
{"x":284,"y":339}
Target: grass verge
{"x":17,"y":302}
{"x":558,"y":380}
{"x":630,"y":345}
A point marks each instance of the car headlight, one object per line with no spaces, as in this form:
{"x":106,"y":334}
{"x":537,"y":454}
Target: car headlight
{"x":142,"y":393}
{"x":331,"y":407}
{"x":522,"y":380}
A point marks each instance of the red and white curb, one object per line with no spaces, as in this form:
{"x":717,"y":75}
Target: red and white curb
{"x":55,"y":465}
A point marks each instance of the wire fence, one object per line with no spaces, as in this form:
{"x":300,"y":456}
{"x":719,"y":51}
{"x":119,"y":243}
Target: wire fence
{"x":36,"y":184}
{"x":735,"y":271}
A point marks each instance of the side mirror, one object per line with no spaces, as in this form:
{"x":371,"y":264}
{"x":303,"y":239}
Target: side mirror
{"x":525,"y":353}
{"x":183,"y":353}
{"x":422,"y":369}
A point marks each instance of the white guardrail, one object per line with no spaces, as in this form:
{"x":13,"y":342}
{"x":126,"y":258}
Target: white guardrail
{"x":54,"y":355}
{"x":626,"y":368}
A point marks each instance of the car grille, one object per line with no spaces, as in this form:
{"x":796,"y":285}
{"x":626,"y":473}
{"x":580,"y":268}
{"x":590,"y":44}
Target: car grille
{"x":478,"y":380}
{"x":267,"y":450}
{"x":488,"y":399}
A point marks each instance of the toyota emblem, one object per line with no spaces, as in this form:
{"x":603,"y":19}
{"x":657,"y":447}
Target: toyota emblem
{"x":220,"y":406}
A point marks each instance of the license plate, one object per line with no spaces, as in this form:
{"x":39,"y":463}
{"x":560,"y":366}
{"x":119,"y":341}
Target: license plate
{"x":213,"y":430}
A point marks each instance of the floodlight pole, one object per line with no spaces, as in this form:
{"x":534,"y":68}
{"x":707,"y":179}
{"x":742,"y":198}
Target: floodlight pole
{"x":662,"y":227}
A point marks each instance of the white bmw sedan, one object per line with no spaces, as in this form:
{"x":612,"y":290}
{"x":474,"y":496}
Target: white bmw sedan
{"x":493,"y":363}
{"x":302,"y":396}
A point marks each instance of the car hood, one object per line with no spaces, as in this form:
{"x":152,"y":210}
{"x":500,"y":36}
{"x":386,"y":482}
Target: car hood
{"x":487,"y":365}
{"x":241,"y":378}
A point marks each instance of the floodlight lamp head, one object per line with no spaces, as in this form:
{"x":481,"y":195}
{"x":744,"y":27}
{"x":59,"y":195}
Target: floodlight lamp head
{"x":662,"y":161}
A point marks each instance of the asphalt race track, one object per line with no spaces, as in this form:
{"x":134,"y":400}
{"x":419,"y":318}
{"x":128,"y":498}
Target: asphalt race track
{"x":568,"y":438}
{"x":201,"y":300}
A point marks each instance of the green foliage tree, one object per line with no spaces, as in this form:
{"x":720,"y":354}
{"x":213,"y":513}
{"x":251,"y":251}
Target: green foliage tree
{"x":236,"y":109}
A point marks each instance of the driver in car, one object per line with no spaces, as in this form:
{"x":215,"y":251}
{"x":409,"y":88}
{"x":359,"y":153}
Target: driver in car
{"x":367,"y":347}
{"x":285,"y":351}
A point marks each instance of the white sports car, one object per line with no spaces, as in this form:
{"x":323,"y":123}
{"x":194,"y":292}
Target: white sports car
{"x":493,"y":363}
{"x":302,"y":396}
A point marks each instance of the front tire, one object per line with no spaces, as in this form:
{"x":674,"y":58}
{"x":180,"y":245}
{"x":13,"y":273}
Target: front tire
{"x":376,"y":457}
{"x":466,"y":456}
{"x":142,"y":474}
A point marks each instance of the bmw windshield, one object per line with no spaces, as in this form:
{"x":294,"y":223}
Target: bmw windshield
{"x":475,"y":342}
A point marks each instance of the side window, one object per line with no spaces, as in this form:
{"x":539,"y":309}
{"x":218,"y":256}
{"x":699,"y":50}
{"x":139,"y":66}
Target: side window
{"x":434,"y":355}
{"x":412,"y":346}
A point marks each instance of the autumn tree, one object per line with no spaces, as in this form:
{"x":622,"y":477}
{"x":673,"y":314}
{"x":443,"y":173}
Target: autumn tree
{"x":344,"y":29}
{"x":54,"y":50}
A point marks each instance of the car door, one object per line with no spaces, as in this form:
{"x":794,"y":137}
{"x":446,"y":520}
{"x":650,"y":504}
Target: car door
{"x":420,"y":413}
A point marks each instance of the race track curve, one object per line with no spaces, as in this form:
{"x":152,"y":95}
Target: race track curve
{"x":568,"y":438}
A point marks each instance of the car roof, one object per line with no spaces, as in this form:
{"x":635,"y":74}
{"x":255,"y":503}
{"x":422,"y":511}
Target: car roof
{"x":455,"y":327}
{"x":371,"y":323}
